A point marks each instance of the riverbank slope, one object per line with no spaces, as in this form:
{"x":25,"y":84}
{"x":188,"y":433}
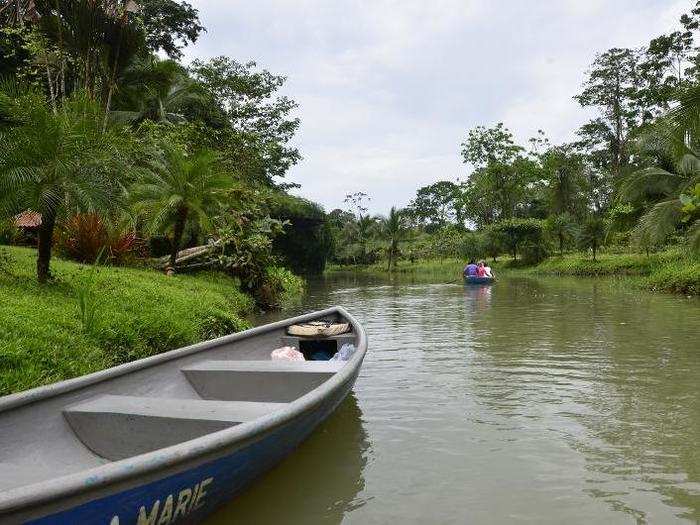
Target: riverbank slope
{"x":675,"y":271}
{"x":127,"y":314}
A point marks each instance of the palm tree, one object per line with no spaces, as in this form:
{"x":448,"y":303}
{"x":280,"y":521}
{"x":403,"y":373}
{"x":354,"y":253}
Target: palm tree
{"x":678,"y":133}
{"x":178,"y":190}
{"x":158,"y":90}
{"x":392,"y":229}
{"x":564,"y":173}
{"x":365,"y":227}
{"x":592,"y":234}
{"x":53,"y":162}
{"x":562,"y":227}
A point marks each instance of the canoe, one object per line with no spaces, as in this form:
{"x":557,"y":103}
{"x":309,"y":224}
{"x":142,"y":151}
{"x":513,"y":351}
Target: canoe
{"x":168,"y":438}
{"x":478,"y":280}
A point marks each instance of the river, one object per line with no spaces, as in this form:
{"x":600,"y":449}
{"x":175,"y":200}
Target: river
{"x":536,"y":400}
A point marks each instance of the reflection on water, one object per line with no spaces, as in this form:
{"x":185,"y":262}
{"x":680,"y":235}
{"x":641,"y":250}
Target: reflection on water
{"x":317,"y":484}
{"x":535,"y":400}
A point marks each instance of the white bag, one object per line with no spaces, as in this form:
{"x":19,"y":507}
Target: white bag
{"x":287,"y":353}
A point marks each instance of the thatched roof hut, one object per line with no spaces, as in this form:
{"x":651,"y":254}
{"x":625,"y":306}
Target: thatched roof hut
{"x":27,"y":219}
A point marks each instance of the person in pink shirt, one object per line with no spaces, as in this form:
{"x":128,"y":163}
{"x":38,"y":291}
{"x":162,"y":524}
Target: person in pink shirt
{"x":481,"y":269}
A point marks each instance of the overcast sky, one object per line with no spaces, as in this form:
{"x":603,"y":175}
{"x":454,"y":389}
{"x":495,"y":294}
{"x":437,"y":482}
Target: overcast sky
{"x":388,"y":89}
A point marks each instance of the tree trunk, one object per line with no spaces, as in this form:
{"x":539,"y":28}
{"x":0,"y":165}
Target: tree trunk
{"x":595,"y":248}
{"x":177,"y":234}
{"x":617,"y":112}
{"x":113,"y":76}
{"x":52,"y":94}
{"x":43,"y":261}
{"x":105,"y":121}
{"x":561,"y":245}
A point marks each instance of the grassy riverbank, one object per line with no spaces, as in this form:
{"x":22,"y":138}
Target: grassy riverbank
{"x":673,"y":271}
{"x":670,"y":271}
{"x":129,"y":313}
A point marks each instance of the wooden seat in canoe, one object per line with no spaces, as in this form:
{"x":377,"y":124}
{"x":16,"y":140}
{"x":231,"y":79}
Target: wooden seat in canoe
{"x":260,"y":381}
{"x":117,"y":427}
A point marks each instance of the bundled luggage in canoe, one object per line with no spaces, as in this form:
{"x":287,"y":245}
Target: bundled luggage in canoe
{"x":168,"y":438}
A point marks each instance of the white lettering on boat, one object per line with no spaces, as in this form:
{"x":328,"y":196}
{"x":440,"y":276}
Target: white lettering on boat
{"x":187,"y":500}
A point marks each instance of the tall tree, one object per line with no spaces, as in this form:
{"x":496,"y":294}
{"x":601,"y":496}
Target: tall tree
{"x":497,"y":188}
{"x":436,"y":205}
{"x":612,"y":86}
{"x":256,"y":140}
{"x":486,"y":146}
{"x":170,"y":25}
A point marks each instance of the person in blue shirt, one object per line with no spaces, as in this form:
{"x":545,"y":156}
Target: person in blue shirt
{"x":470,"y":270}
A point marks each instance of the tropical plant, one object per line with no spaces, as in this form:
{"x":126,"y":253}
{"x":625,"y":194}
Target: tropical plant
{"x":592,"y":234}
{"x":84,"y":236}
{"x":670,"y":189}
{"x":392,"y":229}
{"x":177,"y":190}
{"x":157,"y":90}
{"x":563,"y":228}
{"x":563,"y":170}
{"x":54,"y":163}
{"x":87,"y":293}
{"x":95,"y":41}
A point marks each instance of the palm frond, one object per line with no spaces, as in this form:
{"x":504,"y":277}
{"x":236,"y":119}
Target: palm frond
{"x":650,"y":181}
{"x":658,"y":223}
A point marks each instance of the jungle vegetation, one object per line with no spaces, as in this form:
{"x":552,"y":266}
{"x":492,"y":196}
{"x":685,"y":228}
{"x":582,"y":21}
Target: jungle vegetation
{"x":110,"y":145}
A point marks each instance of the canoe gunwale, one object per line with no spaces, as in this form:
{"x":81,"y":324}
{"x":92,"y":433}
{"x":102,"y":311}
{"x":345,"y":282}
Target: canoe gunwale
{"x":181,"y":456}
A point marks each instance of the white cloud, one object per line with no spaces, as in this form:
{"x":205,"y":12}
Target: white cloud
{"x":389,"y":88}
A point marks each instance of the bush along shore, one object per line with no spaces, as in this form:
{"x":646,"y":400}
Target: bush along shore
{"x":93,"y":317}
{"x":675,"y":270}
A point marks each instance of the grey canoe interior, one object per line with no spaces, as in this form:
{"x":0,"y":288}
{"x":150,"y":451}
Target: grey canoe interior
{"x":80,"y":425}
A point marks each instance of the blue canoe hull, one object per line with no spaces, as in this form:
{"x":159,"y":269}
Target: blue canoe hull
{"x":478,"y":280}
{"x":188,"y":497}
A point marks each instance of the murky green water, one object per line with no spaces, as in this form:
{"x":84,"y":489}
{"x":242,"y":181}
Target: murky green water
{"x":534,"y":401}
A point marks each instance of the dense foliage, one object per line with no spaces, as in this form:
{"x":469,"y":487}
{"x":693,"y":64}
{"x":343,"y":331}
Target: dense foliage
{"x":116,"y":149}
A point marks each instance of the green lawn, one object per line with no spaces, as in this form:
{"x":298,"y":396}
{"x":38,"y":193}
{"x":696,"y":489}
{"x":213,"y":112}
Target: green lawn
{"x":138,"y":313}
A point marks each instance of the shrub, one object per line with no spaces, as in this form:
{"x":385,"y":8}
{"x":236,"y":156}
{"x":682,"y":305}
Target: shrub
{"x":281,"y":288}
{"x":85,"y":235}
{"x":525,"y":236}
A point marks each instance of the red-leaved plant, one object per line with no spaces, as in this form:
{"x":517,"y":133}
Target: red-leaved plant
{"x":85,"y":235}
